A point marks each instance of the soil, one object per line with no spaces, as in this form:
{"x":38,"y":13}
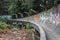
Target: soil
{"x":18,"y":35}
{"x":15,"y":35}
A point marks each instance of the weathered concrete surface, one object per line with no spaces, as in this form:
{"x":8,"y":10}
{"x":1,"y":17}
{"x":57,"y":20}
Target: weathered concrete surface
{"x":38,"y":28}
{"x":51,"y":35}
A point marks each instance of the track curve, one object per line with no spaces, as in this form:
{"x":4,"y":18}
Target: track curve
{"x":42,"y":28}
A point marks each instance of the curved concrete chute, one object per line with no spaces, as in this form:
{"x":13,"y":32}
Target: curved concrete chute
{"x":40,"y":26}
{"x":37,"y":27}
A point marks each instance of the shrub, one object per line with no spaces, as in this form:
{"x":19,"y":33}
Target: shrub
{"x":3,"y":25}
{"x":28,"y":26}
{"x":14,"y":29}
{"x":3,"y":19}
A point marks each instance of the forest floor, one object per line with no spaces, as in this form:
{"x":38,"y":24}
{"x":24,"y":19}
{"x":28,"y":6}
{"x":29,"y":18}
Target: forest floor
{"x":16,"y":35}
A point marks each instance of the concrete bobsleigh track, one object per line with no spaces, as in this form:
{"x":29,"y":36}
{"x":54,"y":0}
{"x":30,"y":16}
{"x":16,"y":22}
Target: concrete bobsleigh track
{"x":37,"y":27}
{"x":45,"y":32}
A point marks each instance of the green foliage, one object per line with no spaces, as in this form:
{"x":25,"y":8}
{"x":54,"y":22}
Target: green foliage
{"x":19,"y":6}
{"x":3,"y":19}
{"x":16,"y":6}
{"x":28,"y":26}
{"x":14,"y":29}
{"x":3,"y":25}
{"x":12,"y":8}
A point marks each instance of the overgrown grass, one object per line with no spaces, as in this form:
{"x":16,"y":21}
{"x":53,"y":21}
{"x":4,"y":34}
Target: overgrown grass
{"x":3,"y":25}
{"x":15,"y":29}
{"x":3,"y":19}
